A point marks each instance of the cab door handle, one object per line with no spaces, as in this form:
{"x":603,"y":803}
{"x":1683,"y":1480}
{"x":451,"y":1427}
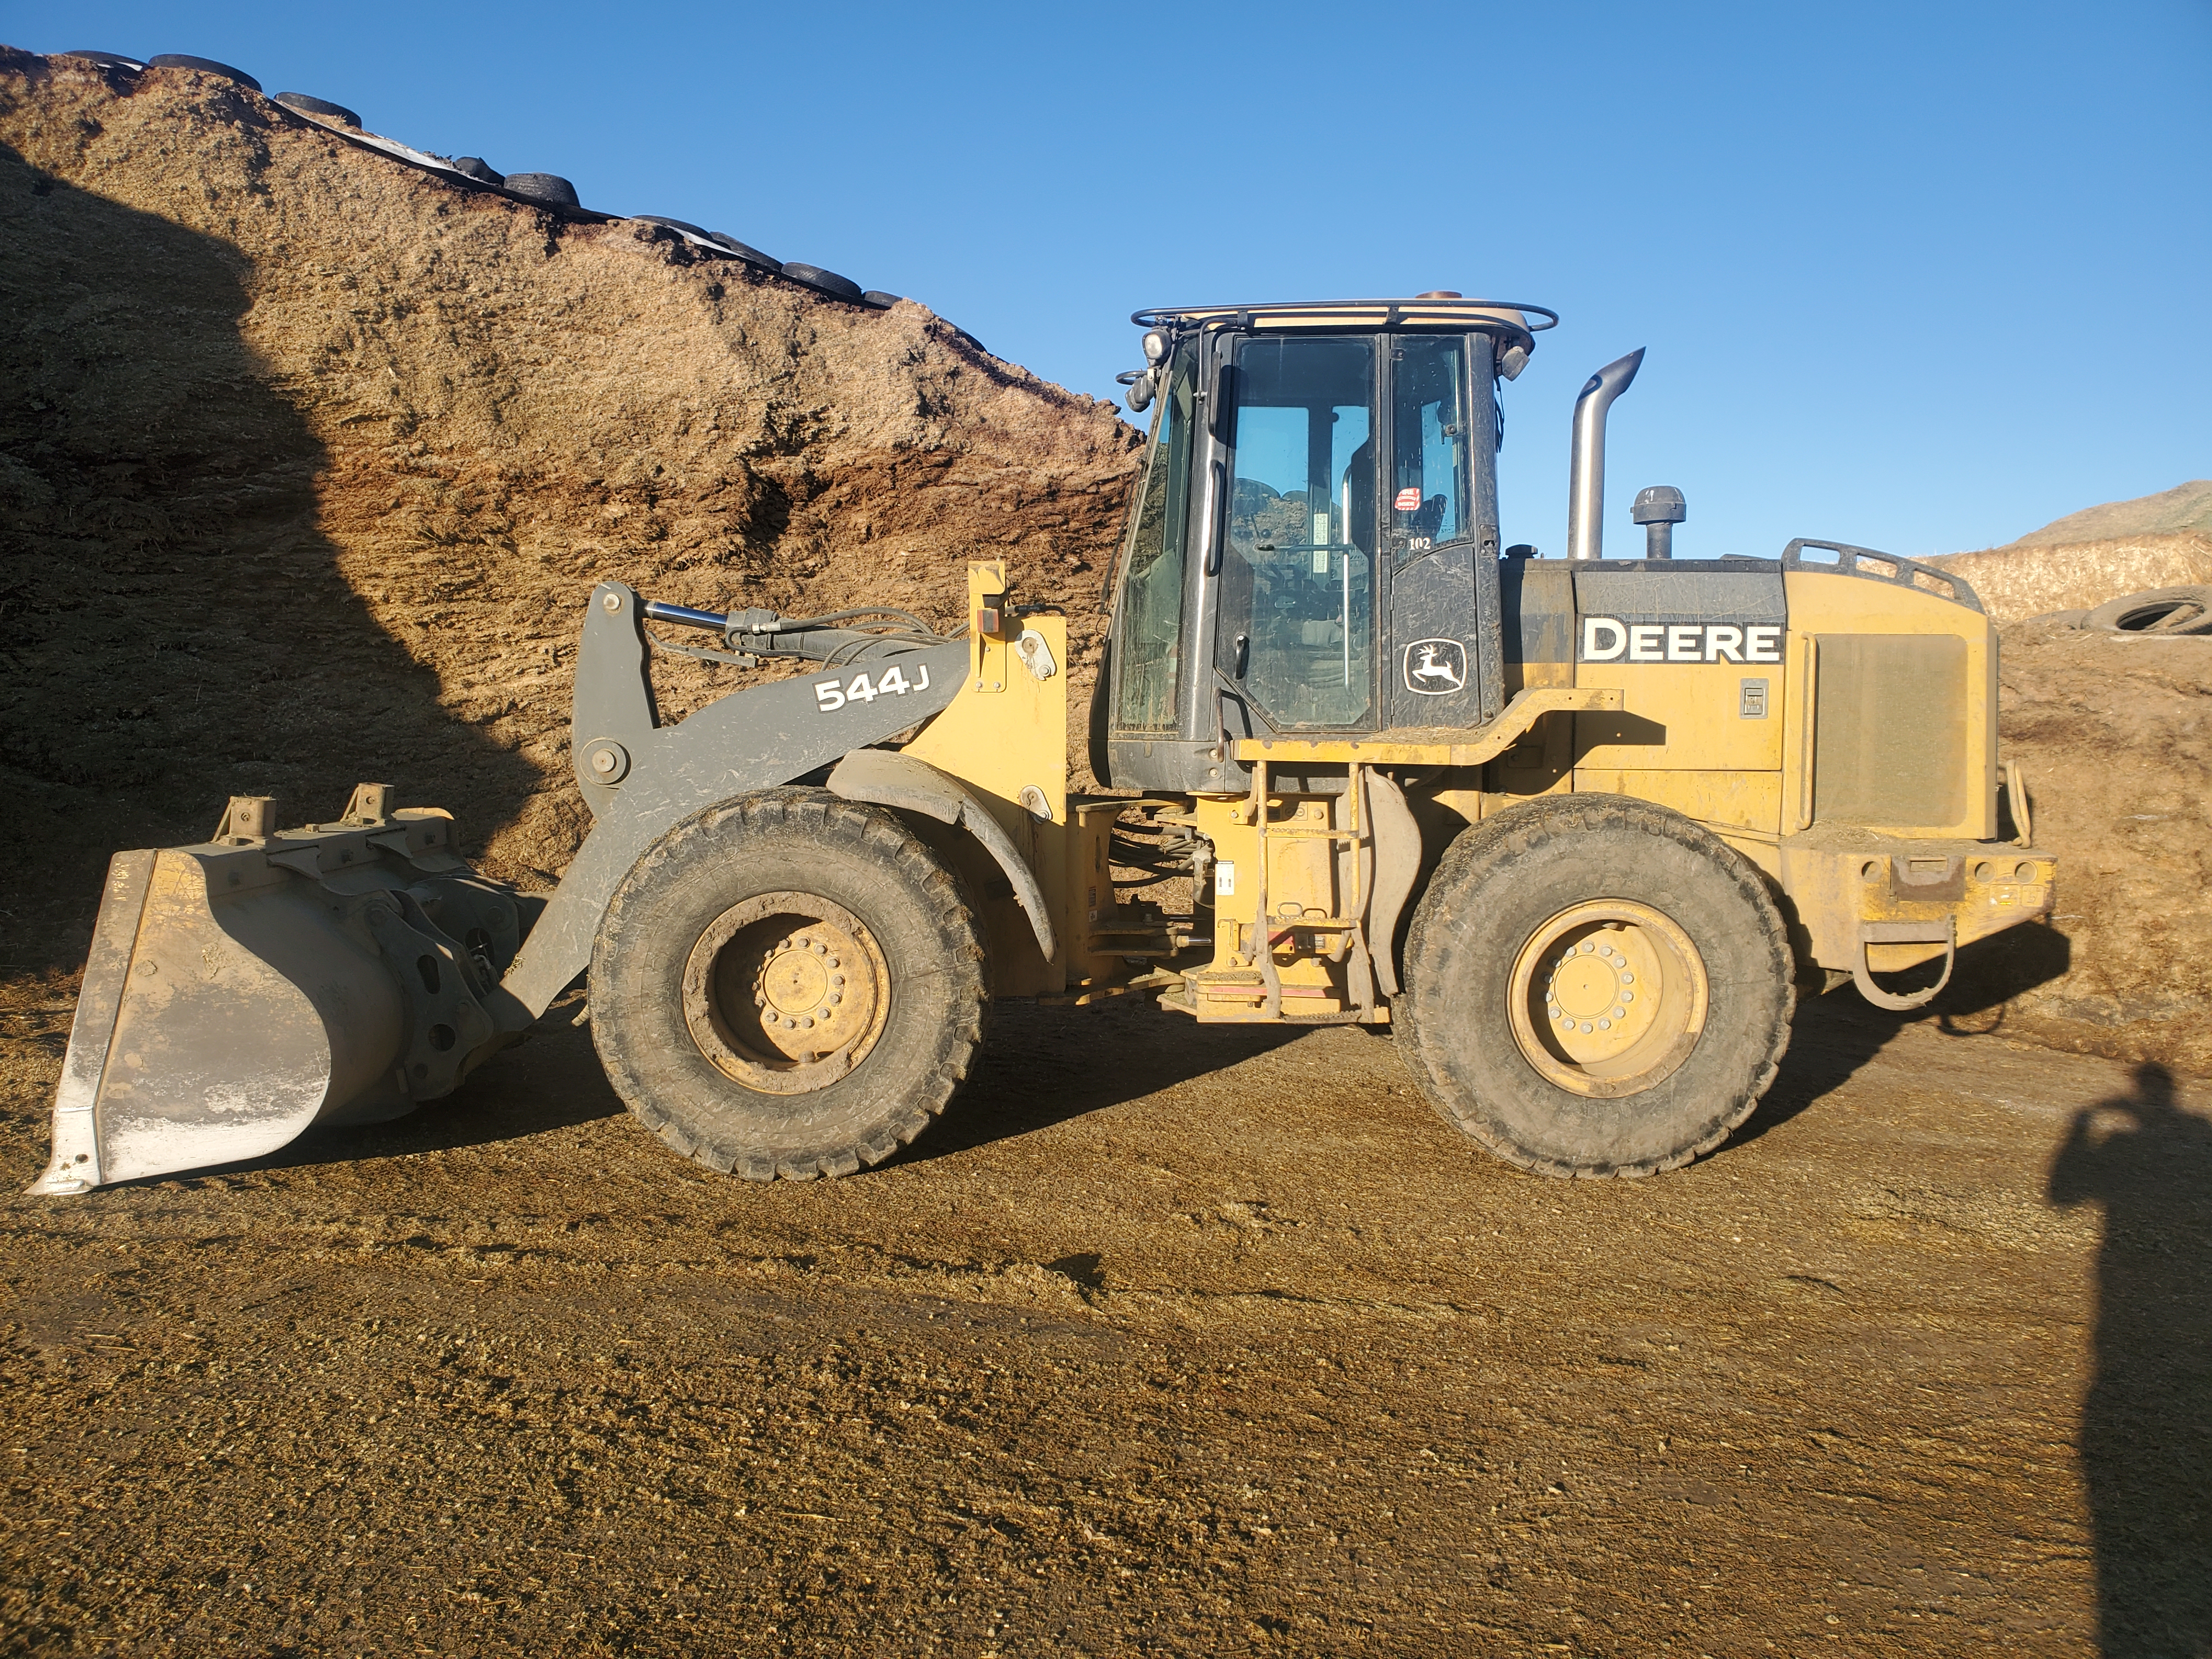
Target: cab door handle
{"x":1215,"y":534}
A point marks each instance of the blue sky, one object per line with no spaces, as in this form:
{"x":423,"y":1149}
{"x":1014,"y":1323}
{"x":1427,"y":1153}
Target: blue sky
{"x":1922,"y":277}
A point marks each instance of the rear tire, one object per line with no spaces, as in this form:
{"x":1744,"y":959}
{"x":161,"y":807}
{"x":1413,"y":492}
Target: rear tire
{"x":1596,"y":986}
{"x":788,"y":984}
{"x":203,"y":65}
{"x":321,"y":109}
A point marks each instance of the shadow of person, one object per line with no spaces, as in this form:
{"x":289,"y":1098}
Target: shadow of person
{"x":2146,"y":1422}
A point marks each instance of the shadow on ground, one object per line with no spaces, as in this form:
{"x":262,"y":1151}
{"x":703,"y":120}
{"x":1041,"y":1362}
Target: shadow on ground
{"x":1040,"y":1066}
{"x":1835,"y":1035}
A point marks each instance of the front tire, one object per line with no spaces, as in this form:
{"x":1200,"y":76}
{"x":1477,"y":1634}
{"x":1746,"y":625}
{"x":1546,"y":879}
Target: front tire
{"x":788,"y":984}
{"x":1596,"y":986}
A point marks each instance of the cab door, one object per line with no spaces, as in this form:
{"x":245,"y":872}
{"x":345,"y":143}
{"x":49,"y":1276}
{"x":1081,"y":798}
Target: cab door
{"x":1440,"y":664}
{"x":1294,"y":634}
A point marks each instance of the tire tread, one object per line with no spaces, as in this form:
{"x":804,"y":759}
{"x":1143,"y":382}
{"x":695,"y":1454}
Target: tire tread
{"x":1520,"y":829}
{"x":821,"y":817}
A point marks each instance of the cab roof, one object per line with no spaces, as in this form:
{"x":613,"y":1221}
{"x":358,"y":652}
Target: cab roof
{"x":1426,"y":311}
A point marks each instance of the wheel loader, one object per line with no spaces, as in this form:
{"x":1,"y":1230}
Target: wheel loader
{"x":1574,"y":830}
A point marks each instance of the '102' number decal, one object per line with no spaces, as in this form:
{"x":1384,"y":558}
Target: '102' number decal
{"x":829,"y":694}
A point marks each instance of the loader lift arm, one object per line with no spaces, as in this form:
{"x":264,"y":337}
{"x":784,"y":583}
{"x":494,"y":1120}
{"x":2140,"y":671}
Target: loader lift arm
{"x":641,"y":779}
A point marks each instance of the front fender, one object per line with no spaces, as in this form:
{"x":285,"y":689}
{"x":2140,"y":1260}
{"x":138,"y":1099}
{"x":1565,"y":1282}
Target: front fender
{"x":885,"y":778}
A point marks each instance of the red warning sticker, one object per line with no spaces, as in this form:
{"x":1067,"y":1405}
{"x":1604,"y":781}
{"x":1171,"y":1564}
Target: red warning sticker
{"x":1408,"y":499}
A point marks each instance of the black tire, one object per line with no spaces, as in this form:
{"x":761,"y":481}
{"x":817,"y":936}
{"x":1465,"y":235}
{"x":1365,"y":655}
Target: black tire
{"x":751,"y":256}
{"x":550,"y":187}
{"x":476,"y":168}
{"x":2186,"y":610}
{"x":826,"y":282}
{"x":682,"y":225}
{"x":879,"y":300}
{"x":306,"y":104}
{"x":205,"y":65}
{"x":105,"y":60}
{"x":736,"y":899}
{"x":1545,"y":890}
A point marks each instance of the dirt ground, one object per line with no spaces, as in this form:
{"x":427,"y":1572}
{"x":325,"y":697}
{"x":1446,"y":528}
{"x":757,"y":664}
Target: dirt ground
{"x":1167,"y":1340}
{"x":2114,"y":733}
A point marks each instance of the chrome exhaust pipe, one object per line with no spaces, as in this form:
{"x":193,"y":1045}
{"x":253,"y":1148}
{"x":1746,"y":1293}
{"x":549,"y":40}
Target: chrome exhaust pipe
{"x":1586,"y":470}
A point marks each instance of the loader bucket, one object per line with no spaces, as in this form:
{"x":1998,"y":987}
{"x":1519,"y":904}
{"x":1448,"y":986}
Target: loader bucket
{"x":241,"y":990}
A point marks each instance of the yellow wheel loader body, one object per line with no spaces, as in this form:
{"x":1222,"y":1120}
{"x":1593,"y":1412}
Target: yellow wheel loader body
{"x":1578,"y":829}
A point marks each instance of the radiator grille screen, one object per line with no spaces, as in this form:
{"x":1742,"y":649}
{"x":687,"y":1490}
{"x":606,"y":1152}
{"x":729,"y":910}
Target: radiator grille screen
{"x":1890,"y":732}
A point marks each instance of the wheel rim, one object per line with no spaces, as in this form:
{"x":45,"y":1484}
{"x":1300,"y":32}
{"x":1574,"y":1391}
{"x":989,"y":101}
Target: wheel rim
{"x":786,"y":992}
{"x":1607,"y":998}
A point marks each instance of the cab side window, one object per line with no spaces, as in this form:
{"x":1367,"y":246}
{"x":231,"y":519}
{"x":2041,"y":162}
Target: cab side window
{"x":1429,"y":465}
{"x":1148,"y":648}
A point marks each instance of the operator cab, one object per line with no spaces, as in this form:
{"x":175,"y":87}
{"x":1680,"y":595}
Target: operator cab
{"x":1314,"y":547}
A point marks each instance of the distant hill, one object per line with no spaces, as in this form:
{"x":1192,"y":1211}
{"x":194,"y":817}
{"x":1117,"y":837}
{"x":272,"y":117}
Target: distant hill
{"x":2184,"y":507}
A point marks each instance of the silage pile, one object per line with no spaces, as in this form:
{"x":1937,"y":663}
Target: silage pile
{"x":310,"y":458}
{"x":2114,"y":734}
{"x":2035,"y":579}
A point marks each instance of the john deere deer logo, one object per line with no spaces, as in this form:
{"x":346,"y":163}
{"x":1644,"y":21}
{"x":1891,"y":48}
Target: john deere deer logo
{"x":1436,"y":667}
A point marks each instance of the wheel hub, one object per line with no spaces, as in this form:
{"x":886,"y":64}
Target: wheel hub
{"x":1607,"y":998}
{"x":786,"y":992}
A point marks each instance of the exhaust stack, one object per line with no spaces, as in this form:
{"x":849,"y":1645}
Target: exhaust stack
{"x":1586,"y":471}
